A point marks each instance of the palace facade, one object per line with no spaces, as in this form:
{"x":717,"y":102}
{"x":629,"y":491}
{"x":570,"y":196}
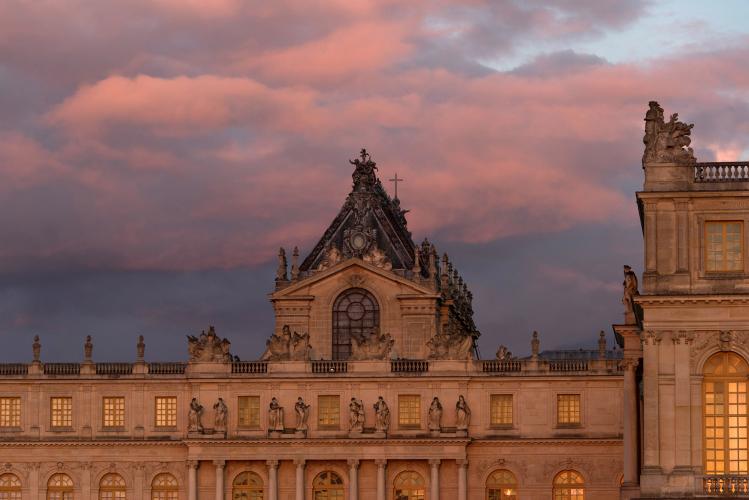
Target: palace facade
{"x":371,"y":387}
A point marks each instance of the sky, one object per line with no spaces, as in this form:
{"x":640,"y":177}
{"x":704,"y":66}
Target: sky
{"x":155,"y":154}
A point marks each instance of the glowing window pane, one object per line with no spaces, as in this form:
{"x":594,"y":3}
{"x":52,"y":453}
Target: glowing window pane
{"x":61,"y":412}
{"x":501,"y":409}
{"x":409,"y":410}
{"x":10,"y":412}
{"x":113,"y":412}
{"x":166,"y":411}
{"x":568,"y":409}
{"x":329,"y":411}
{"x":249,"y":412}
{"x":724,"y":246}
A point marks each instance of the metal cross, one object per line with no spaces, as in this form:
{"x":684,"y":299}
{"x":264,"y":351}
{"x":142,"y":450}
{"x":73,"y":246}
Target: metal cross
{"x":395,"y":180}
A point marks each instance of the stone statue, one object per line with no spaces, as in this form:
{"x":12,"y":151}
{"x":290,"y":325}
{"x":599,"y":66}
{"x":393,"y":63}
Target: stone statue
{"x":435,"y":415}
{"x":140,"y":348}
{"x":356,"y":415}
{"x":302,"y":414}
{"x":363,"y":175}
{"x":371,"y":346}
{"x":282,"y":266}
{"x":208,"y":347}
{"x":535,"y":345}
{"x":451,"y":345}
{"x":332,"y":257}
{"x":287,"y":346}
{"x":36,"y":349}
{"x":295,"y":263}
{"x":666,"y":142}
{"x":220,"y":412}
{"x":503,"y":354}
{"x":377,"y":258}
{"x":382,"y":415}
{"x":462,"y":414}
{"x":275,"y":416}
{"x":194,"y":416}
{"x":88,"y":348}
{"x":630,"y":292}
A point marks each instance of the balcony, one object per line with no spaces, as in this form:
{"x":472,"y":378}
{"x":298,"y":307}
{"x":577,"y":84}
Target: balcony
{"x":329,"y":367}
{"x":249,"y":367}
{"x":409,"y":366}
{"x":726,"y":486}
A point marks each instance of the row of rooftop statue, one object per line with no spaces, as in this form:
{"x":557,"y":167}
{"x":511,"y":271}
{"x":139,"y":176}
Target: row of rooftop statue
{"x":301,"y":410}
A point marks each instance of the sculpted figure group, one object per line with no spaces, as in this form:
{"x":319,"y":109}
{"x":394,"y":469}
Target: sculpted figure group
{"x":287,"y":346}
{"x":195,"y":417}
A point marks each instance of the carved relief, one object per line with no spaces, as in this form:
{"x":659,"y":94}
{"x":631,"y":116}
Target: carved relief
{"x":287,"y":346}
{"x":356,"y":415}
{"x":666,"y":142}
{"x":373,"y":346}
{"x":332,"y":257}
{"x":209,"y":347}
{"x":377,"y":258}
{"x":454,"y":345}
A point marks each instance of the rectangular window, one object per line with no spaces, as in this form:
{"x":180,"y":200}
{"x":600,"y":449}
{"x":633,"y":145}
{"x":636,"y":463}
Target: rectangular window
{"x":113,"y":412}
{"x":249,"y":412}
{"x":724,"y":245}
{"x":501,"y":409}
{"x":61,"y":412}
{"x":166,"y":411}
{"x":409,"y":410}
{"x":10,"y":412}
{"x":568,"y":409}
{"x":329,"y":412}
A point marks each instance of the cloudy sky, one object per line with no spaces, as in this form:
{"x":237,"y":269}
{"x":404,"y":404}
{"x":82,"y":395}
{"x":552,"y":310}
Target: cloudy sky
{"x":154,"y":154}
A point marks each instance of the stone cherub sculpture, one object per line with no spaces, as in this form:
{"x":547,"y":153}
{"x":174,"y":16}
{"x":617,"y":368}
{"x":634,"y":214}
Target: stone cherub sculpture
{"x":275,"y":416}
{"x":628,"y":298}
{"x":302,"y":414}
{"x":462,"y":414}
{"x":331,"y":257}
{"x":666,"y":142}
{"x":382,"y":415}
{"x":194,"y":416}
{"x":356,"y":415}
{"x":371,"y":346}
{"x":503,"y":354}
{"x":287,"y":346}
{"x":435,"y":415}
{"x":220,"y":412}
{"x":208,"y":347}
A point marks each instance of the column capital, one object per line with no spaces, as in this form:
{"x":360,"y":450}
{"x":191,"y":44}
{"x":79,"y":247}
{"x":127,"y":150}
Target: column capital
{"x":299,"y":462}
{"x":381,"y":462}
{"x":630,"y":363}
{"x":271,"y":463}
{"x":192,"y":464}
{"x":219,"y":463}
{"x":435,"y":462}
{"x":353,"y":462}
{"x":462,"y":462}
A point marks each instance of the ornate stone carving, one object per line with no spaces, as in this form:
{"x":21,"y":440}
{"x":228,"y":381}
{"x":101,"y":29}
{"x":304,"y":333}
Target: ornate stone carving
{"x":435,"y":415}
{"x":140,"y":348}
{"x":275,"y":416}
{"x":377,"y":258}
{"x":88,"y":348}
{"x":287,"y":346}
{"x":208,"y":347}
{"x":725,"y":340}
{"x":356,"y":415}
{"x":371,"y":346}
{"x":628,"y":299}
{"x":650,"y":337}
{"x":302,"y":414}
{"x":382,"y":415}
{"x":535,"y":345}
{"x":194,"y":416}
{"x":454,"y":345}
{"x":220,"y":412}
{"x":503,"y":354}
{"x":295,"y":263}
{"x":36,"y":349}
{"x":462,"y":414}
{"x":666,"y":142}
{"x":332,"y":257}
{"x":364,"y":171}
{"x":282,"y":266}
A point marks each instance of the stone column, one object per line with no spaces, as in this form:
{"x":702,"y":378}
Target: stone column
{"x":434,"y":466}
{"x":651,"y":455}
{"x":220,"y":465}
{"x":630,"y":422}
{"x":34,"y":490}
{"x":272,"y":479}
{"x":353,"y":479}
{"x":462,"y":479}
{"x":86,"y":480}
{"x":192,"y":480}
{"x":299,"y":478}
{"x":138,"y":480}
{"x":381,"y":464}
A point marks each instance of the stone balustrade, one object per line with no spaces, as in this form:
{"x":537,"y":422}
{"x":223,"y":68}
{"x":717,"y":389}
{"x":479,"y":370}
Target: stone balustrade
{"x":166,"y":368}
{"x":114,"y":369}
{"x":726,"y":486}
{"x":409,"y":366}
{"x":249,"y":367}
{"x":734,"y":171}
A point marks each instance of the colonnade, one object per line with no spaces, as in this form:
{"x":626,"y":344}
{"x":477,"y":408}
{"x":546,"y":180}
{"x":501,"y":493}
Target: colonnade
{"x":353,"y":479}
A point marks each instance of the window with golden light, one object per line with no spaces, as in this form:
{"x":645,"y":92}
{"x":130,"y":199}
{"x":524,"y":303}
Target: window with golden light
{"x":166,"y":411}
{"x":569,"y":485}
{"x":248,"y":412}
{"x":60,"y":487}
{"x":501,"y":410}
{"x":329,"y":412}
{"x":501,"y":485}
{"x":409,"y":410}
{"x":10,"y":487}
{"x":61,"y":412}
{"x":568,"y":409}
{"x":724,"y":246}
{"x":113,"y":412}
{"x":164,"y":487}
{"x":112,"y":487}
{"x":725,"y":414}
{"x":327,"y":486}
{"x":409,"y":485}
{"x":10,"y":412}
{"x":247,"y":486}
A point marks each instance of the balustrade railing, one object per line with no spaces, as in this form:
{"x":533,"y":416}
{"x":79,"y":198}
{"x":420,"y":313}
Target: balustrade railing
{"x":249,"y":367}
{"x":501,"y":366}
{"x":409,"y":366}
{"x":62,"y":368}
{"x":568,"y":365}
{"x":114,"y":368}
{"x":166,"y":368}
{"x":726,"y":486}
{"x":733,"y":171}
{"x":14,"y":369}
{"x":329,"y":367}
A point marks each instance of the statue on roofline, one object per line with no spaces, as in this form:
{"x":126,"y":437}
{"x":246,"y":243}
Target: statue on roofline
{"x":666,"y":142}
{"x":209,"y":347}
{"x":287,"y":346}
{"x":628,"y":298}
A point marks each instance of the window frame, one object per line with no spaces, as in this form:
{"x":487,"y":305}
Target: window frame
{"x":497,"y":395}
{"x":156,"y":413}
{"x":104,"y":425}
{"x":320,"y":406}
{"x":12,"y":426}
{"x":706,"y":246}
{"x":57,"y":427}
{"x":568,"y":425}
{"x":409,"y":425}
{"x":252,"y":425}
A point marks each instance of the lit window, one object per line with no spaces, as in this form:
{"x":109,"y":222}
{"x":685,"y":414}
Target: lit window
{"x":501,"y":485}
{"x":724,"y":246}
{"x":10,"y":487}
{"x":501,"y":409}
{"x":164,"y":487}
{"x":114,"y":412}
{"x":60,"y":487}
{"x":249,"y":412}
{"x":112,"y":487}
{"x":409,"y":410}
{"x":166,"y":411}
{"x":409,"y":485}
{"x":329,"y":412}
{"x":10,"y":412}
{"x":327,"y":486}
{"x":61,"y":412}
{"x":247,"y":486}
{"x":569,"y":485}
{"x":568,"y":409}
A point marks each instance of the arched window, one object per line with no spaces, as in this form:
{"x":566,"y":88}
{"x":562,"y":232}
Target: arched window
{"x":408,"y":485}
{"x":112,"y":487}
{"x":10,"y":487}
{"x":569,"y":485}
{"x":725,"y":412}
{"x":164,"y":487}
{"x":327,"y":486}
{"x":247,"y":486}
{"x":355,"y":313}
{"x":501,"y":485}
{"x":60,"y":487}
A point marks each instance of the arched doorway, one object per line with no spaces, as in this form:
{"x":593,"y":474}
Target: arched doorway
{"x":409,"y":485}
{"x":355,"y":313}
{"x":60,"y":487}
{"x":327,"y":485}
{"x":569,"y":485}
{"x":247,"y":486}
{"x":501,"y":485}
{"x":112,"y":487}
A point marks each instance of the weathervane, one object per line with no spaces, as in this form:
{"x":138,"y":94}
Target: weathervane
{"x":395,"y":180}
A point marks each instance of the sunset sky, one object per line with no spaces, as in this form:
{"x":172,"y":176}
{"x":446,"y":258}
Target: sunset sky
{"x":154,"y":154}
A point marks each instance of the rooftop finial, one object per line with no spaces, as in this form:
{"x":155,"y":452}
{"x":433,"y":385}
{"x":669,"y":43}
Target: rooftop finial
{"x":140,"y":348}
{"x":364,"y":176}
{"x":601,"y":345}
{"x":281,"y":271}
{"x":88,"y":348}
{"x":295,"y":264}
{"x":535,"y":345}
{"x":36,"y":348}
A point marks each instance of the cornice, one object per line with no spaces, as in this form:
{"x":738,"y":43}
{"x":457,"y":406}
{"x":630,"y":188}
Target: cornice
{"x":669,"y":300}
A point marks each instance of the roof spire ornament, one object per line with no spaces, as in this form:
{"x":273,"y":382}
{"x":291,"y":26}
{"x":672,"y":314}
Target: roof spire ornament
{"x":395,"y":180}
{"x":282,"y":266}
{"x":364,"y":175}
{"x":295,"y":263}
